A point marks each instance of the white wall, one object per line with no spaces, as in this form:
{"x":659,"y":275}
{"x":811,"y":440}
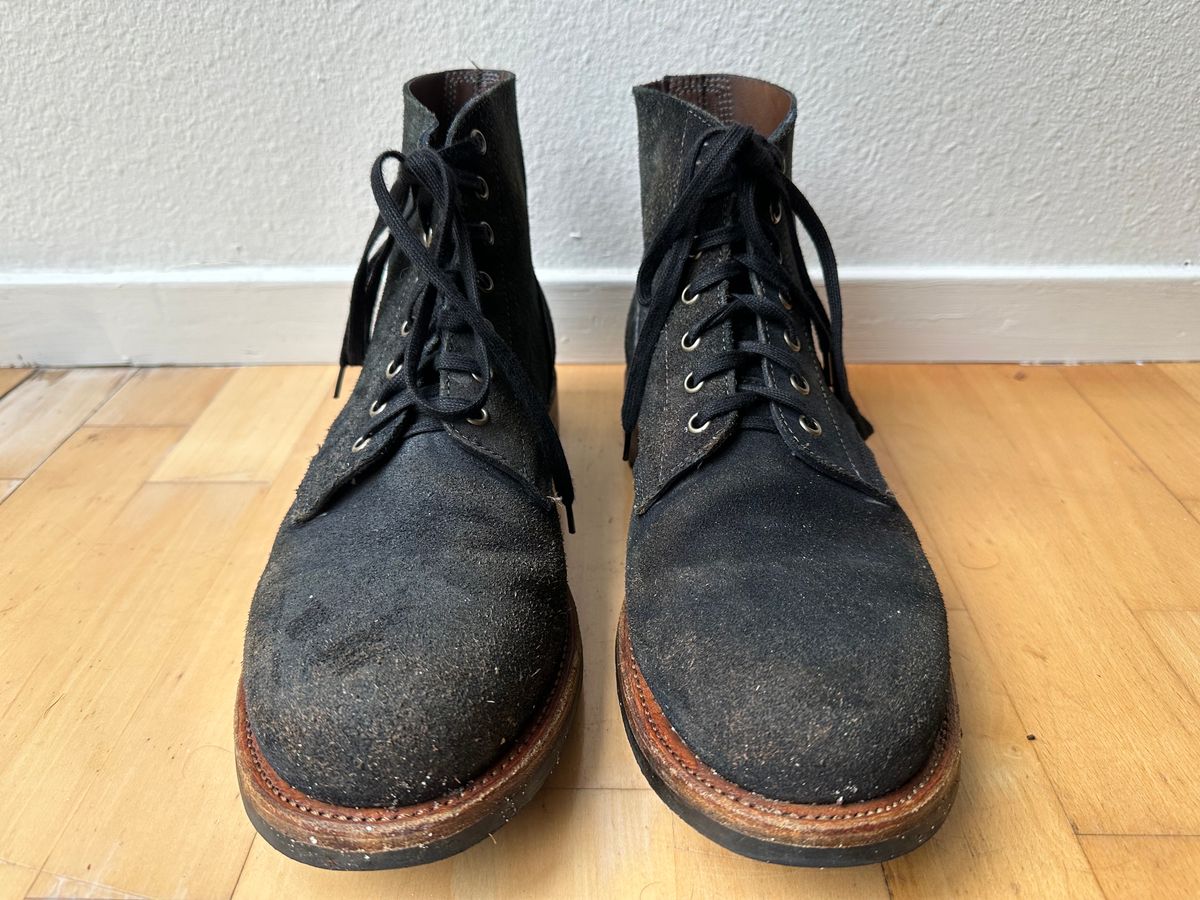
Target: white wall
{"x":152,"y":136}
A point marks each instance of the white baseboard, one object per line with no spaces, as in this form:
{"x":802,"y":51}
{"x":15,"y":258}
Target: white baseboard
{"x":296,"y":315}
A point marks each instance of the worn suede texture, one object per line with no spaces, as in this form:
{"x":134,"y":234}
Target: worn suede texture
{"x":413,"y":613}
{"x":779,"y":604}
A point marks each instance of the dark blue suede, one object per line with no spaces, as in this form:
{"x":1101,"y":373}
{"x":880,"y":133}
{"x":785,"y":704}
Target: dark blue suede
{"x":414,"y":611}
{"x":778,"y":601}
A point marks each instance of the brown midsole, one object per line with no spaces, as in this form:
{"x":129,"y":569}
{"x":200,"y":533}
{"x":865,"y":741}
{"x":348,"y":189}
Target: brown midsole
{"x":296,"y":815}
{"x":920,"y":803}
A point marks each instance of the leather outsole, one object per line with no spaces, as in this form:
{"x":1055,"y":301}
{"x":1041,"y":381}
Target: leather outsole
{"x":776,"y":831}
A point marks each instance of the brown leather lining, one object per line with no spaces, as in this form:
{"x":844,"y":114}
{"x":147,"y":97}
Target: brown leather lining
{"x":305,"y":819}
{"x":732,"y":99}
{"x":920,"y":802}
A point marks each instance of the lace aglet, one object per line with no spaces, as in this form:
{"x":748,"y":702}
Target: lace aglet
{"x":337,"y":387}
{"x":567,"y":508}
{"x":628,"y":445}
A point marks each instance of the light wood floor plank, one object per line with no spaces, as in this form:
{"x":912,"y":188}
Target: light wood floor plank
{"x":1155,"y":415}
{"x":704,"y":869}
{"x":1007,"y":830}
{"x":1177,"y":634}
{"x":66,"y":731}
{"x":15,"y":881}
{"x":181,"y":729}
{"x":896,"y":481}
{"x":1186,"y":375}
{"x":44,"y":409}
{"x":7,"y":486}
{"x":1137,"y":867}
{"x":1052,"y":530}
{"x":49,"y":885}
{"x":247,"y":431}
{"x":10,"y":378}
{"x":163,"y":397}
{"x":565,"y":844}
{"x":589,"y":401}
{"x":55,"y":532}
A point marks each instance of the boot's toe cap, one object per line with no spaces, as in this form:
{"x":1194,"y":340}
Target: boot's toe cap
{"x":798,"y":645}
{"x":397,"y":647}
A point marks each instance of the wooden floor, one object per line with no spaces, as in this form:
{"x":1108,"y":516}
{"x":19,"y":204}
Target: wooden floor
{"x":1060,"y":506}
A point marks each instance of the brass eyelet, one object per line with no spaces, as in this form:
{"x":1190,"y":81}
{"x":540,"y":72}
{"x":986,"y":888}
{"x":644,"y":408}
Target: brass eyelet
{"x":687,"y":299}
{"x":405,"y":327}
{"x":427,"y":237}
{"x":783,"y":298}
{"x":489,"y":236}
{"x":776,"y":211}
{"x":377,"y":407}
{"x":800,"y":384}
{"x":485,"y":281}
{"x":688,"y":348}
{"x":360,"y":444}
{"x":483,"y":191}
{"x":394,"y":368}
{"x":481,"y":419}
{"x":690,"y":385}
{"x":794,"y":345}
{"x":693,"y":427}
{"x":811,"y":425}
{"x":479,"y":139}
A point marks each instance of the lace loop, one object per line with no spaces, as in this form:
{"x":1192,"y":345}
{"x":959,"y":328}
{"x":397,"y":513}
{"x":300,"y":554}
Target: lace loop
{"x":420,"y":217}
{"x":735,"y":162}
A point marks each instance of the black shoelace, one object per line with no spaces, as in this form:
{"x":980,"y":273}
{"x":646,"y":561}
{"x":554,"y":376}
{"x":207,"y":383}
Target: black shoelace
{"x":447,"y":304}
{"x":745,"y":166}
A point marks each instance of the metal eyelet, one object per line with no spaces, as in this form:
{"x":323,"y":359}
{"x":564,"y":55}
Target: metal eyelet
{"x":405,"y":327}
{"x":794,"y":345}
{"x":688,"y":300}
{"x":377,"y":407}
{"x":811,"y":425}
{"x":394,"y":368}
{"x":776,"y":210}
{"x":479,"y":139}
{"x":684,"y":342}
{"x":360,"y":444}
{"x":477,"y":377}
{"x":690,"y":385}
{"x":693,"y":427}
{"x":481,"y":419}
{"x":489,"y":236}
{"x":783,"y":298}
{"x":800,"y":383}
{"x":485,"y":281}
{"x":483,"y":191}
{"x":427,"y":237}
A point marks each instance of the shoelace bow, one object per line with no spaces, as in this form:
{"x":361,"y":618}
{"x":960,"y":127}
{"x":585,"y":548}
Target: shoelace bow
{"x":747,"y":166}
{"x":426,"y":189}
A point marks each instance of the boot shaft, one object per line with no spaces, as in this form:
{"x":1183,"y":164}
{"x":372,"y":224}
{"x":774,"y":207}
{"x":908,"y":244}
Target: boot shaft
{"x":481,"y":104}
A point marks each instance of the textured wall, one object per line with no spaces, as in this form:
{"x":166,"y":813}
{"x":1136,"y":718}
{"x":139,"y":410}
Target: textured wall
{"x":145,"y":135}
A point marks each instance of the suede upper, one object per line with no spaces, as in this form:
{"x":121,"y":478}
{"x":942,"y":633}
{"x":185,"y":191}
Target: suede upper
{"x":779,"y":604}
{"x":414,"y":611}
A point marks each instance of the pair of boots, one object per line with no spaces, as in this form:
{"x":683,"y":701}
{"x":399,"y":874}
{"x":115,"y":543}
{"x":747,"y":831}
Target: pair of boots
{"x":412,"y":659}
